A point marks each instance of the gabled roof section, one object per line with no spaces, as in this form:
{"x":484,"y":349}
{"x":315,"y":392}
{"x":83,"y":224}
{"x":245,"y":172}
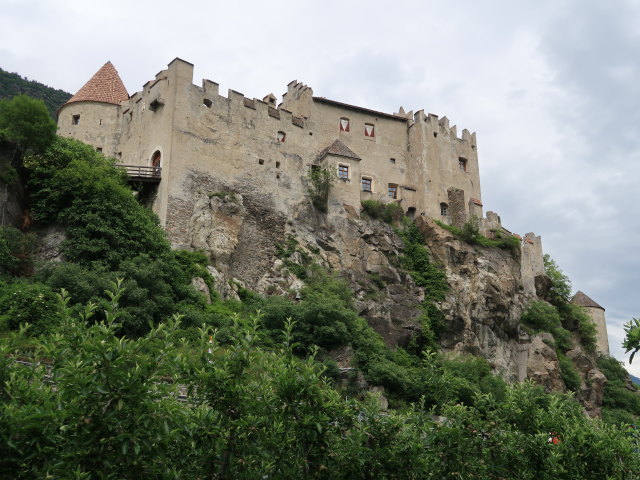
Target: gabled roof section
{"x":584,"y":301}
{"x":340,"y":149}
{"x":105,"y":86}
{"x":326,"y":101}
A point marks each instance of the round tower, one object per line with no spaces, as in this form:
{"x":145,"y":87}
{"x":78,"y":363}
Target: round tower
{"x":93,"y":114}
{"x":596,"y":313}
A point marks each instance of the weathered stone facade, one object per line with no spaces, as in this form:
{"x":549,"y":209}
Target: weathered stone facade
{"x":410,"y":159}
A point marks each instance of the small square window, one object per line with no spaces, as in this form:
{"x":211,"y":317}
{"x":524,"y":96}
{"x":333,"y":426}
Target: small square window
{"x":366,"y":184}
{"x":343,"y":172}
{"x":99,"y":149}
{"x":392,"y":161}
{"x":462,"y":164}
{"x":369,"y":130}
{"x":75,"y":119}
{"x":344,"y":124}
{"x":393,"y":190}
{"x":260,"y":162}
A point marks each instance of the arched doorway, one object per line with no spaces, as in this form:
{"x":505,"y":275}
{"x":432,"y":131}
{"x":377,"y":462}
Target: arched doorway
{"x":156,"y":159}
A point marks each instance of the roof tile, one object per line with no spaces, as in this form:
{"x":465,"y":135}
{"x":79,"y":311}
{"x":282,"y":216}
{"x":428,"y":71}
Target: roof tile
{"x":584,"y":301}
{"x":105,"y":86}
{"x":340,"y":149}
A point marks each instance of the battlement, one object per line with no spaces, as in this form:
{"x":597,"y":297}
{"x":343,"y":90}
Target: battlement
{"x":440,"y":126}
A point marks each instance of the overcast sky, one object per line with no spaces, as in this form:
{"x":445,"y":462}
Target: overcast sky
{"x":552,"y":88}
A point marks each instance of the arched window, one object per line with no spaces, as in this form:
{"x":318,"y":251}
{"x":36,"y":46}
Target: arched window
{"x":444,"y":209}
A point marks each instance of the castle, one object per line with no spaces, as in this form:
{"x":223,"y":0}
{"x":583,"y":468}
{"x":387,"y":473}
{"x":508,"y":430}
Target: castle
{"x":177,"y":134}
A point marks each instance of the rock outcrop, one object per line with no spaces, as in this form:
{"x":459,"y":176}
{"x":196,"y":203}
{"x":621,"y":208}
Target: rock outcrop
{"x":241,"y":234}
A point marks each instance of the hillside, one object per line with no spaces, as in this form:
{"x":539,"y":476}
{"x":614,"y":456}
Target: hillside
{"x":317,"y":346}
{"x":12,"y":84}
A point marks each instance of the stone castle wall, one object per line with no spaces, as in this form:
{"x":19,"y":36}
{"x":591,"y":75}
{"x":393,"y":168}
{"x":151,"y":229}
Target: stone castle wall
{"x":264,"y":151}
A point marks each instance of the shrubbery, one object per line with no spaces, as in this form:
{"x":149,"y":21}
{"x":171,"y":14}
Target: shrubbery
{"x":470,"y":233}
{"x":387,"y":212}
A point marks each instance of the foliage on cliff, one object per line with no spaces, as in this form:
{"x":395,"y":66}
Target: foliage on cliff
{"x":12,"y":85}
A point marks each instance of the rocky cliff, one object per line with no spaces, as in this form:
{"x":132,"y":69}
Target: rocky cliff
{"x":251,"y":244}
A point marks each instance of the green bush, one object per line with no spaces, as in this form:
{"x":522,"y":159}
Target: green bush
{"x":621,"y":400}
{"x":470,"y":233}
{"x":387,"y":212}
{"x":15,"y":251}
{"x":83,"y":190}
{"x":33,"y":303}
{"x":543,"y":317}
{"x":319,"y":185}
{"x":569,"y":373}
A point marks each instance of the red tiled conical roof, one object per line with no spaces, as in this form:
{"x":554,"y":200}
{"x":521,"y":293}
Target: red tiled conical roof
{"x":105,"y":86}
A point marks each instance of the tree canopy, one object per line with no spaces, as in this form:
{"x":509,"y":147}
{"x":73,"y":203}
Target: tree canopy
{"x":25,"y":122}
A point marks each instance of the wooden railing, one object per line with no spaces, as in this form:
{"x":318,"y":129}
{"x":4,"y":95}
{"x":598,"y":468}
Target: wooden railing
{"x":141,"y":173}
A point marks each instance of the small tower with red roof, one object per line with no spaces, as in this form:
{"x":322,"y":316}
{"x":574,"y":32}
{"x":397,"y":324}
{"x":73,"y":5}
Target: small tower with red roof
{"x":93,"y":114}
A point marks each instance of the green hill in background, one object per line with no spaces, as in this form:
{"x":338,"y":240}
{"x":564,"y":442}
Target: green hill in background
{"x":12,"y":84}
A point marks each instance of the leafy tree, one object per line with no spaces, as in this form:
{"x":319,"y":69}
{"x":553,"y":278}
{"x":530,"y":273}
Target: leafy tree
{"x":26,"y":123}
{"x":319,"y":185}
{"x":632,"y":337}
{"x":80,"y":188}
{"x":560,"y":291}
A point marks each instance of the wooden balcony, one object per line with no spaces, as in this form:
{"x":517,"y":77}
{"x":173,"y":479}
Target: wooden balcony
{"x":139,"y":173}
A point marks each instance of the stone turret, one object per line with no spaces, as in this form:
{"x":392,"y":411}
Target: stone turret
{"x":596,"y":312}
{"x":93,"y":114}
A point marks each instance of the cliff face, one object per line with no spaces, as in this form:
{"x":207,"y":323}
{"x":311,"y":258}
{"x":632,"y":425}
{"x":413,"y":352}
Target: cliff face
{"x":254,"y":245}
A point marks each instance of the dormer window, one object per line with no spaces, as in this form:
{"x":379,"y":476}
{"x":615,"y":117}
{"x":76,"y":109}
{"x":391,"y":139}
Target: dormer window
{"x":344,"y":124}
{"x":462,"y":164}
{"x":281,"y":137}
{"x":369,"y":130}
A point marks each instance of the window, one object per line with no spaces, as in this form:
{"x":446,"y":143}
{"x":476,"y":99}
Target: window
{"x":260,"y":161}
{"x":281,"y":137}
{"x":393,"y":190}
{"x":435,"y":134}
{"x":206,"y":102}
{"x":344,"y":124}
{"x":369,"y":130}
{"x":75,"y":119}
{"x":343,"y":172}
{"x":392,"y":161}
{"x":366,"y":184}
{"x":462,"y":163}
{"x":99,"y":149}
{"x":277,"y":164}
{"x":444,"y":209}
